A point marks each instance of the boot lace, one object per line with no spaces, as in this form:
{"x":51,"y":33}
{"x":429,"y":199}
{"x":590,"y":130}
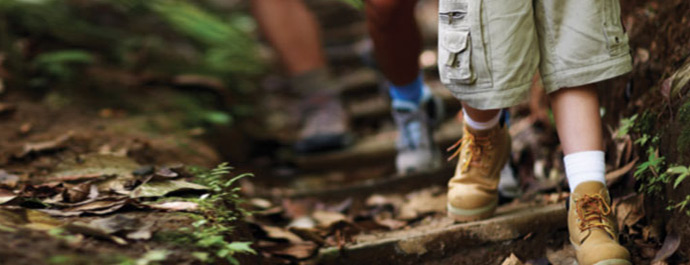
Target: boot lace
{"x":471,"y":147}
{"x":591,"y":210}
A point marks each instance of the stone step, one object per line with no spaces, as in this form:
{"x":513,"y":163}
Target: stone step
{"x":423,"y":245}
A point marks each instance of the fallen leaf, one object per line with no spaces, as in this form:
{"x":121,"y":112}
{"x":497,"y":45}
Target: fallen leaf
{"x":79,"y":192}
{"x":278,"y":233}
{"x":309,"y":234}
{"x":6,"y":109}
{"x":422,"y":202}
{"x":326,"y":219}
{"x":166,"y":173}
{"x":8,"y":180}
{"x":564,"y":256}
{"x":512,"y":260}
{"x":26,"y":218}
{"x":51,"y":145}
{"x":162,"y":188}
{"x":614,"y":176}
{"x":299,"y":251}
{"x":630,"y":210}
{"x":6,"y":195}
{"x":114,"y":228}
{"x":178,"y":206}
{"x":671,"y":244}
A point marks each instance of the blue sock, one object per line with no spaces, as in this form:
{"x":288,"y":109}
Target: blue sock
{"x":411,"y":92}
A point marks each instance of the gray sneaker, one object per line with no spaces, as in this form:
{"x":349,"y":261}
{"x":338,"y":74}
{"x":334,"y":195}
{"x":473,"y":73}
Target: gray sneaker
{"x":417,"y":151}
{"x":325,"y":124}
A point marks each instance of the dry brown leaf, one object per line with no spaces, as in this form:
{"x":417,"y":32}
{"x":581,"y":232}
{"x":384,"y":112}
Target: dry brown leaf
{"x":299,"y":251}
{"x":177,"y":206}
{"x":309,"y":234}
{"x":51,"y":145}
{"x":512,"y":260}
{"x":564,"y":256}
{"x":671,"y":244}
{"x":326,"y":219}
{"x":629,"y":211}
{"x":614,"y":176}
{"x":422,"y":202}
{"x":8,"y":180}
{"x":6,"y":196}
{"x":273,"y":232}
{"x":6,"y":109}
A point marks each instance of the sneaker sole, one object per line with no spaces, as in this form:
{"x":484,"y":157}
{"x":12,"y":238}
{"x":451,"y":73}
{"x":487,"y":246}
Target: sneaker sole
{"x":469,"y":215}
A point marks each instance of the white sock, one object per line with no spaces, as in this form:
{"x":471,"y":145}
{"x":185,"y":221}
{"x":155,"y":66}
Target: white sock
{"x":585,"y":166}
{"x":478,"y":125}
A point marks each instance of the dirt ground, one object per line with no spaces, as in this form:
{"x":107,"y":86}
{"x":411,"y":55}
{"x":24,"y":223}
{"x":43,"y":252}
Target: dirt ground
{"x":69,"y":160}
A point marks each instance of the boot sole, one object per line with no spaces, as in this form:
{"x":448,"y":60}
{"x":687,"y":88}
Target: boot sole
{"x":613,"y":262}
{"x":605,"y":262}
{"x":469,"y":215}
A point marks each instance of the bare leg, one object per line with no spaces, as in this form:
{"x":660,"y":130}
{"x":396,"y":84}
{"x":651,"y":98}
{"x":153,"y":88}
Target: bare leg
{"x":576,"y":111}
{"x":480,"y":115}
{"x":396,"y":37}
{"x":293,"y":32}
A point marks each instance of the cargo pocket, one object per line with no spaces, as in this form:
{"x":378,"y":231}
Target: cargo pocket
{"x":616,"y":39}
{"x":455,"y":49}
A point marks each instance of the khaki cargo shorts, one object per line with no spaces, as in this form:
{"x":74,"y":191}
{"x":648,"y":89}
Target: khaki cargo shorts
{"x":489,"y":50}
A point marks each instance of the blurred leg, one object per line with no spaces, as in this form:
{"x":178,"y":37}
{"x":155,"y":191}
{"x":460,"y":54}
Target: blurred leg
{"x":396,"y":37}
{"x":293,"y":31}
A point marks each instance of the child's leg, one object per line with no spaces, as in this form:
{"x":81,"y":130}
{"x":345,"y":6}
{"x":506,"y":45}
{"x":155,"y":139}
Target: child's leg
{"x":576,"y":111}
{"x":590,"y":220}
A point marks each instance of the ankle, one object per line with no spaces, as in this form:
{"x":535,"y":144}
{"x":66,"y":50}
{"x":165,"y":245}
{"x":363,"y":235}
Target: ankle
{"x":481,"y":125}
{"x":585,"y":166}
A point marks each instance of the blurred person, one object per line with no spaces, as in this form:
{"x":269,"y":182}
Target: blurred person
{"x":488,"y":54}
{"x":293,"y":31}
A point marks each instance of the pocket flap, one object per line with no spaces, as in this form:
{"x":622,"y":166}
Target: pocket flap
{"x":455,"y":41}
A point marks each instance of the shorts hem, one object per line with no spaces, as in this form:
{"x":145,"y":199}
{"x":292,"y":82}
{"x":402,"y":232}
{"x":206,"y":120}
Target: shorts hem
{"x":589,"y":74}
{"x":492,"y":98}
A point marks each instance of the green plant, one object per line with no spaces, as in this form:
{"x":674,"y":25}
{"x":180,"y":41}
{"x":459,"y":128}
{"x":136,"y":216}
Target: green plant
{"x":680,"y":206}
{"x":682,"y":172}
{"x":650,"y":173}
{"x":218,"y":212}
{"x":625,"y":125}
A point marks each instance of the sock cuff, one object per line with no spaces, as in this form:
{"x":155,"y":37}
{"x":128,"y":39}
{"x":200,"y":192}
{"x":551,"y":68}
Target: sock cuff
{"x":585,"y":166}
{"x":409,"y":92}
{"x":477,"y":125}
{"x":585,"y":162}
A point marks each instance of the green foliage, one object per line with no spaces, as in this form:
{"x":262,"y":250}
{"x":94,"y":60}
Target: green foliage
{"x":228,"y":48}
{"x":625,"y":125}
{"x":680,"y":206}
{"x":682,"y":172}
{"x":164,"y":36}
{"x":647,"y":173}
{"x":218,"y":212}
{"x":359,"y":4}
{"x":61,"y":64}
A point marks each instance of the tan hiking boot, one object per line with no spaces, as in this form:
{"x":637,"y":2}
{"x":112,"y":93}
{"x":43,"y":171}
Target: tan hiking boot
{"x":472,"y":192}
{"x":592,"y":226}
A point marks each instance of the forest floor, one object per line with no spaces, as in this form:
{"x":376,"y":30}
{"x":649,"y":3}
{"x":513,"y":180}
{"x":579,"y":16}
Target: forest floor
{"x":84,"y":181}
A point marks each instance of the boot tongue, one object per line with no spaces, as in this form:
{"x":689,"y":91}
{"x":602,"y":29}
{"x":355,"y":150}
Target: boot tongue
{"x":481,"y":133}
{"x":591,"y":187}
